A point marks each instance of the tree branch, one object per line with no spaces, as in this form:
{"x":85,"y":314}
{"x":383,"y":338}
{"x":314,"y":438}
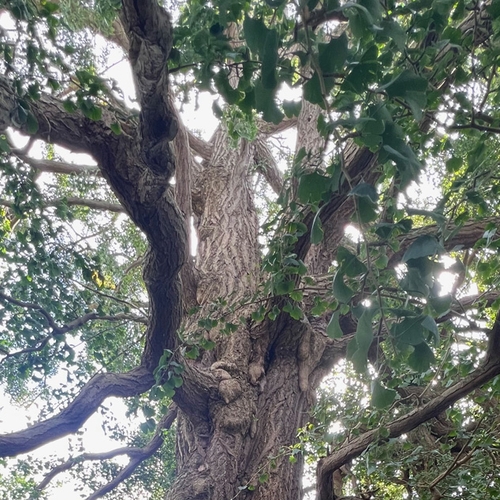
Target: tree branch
{"x":266,"y":164}
{"x":487,"y":371}
{"x":73,"y":201}
{"x":55,"y":125}
{"x":85,"y":404}
{"x":61,"y":330}
{"x":202,"y":148}
{"x":137,"y":456}
{"x":460,"y":237}
{"x":58,"y":167}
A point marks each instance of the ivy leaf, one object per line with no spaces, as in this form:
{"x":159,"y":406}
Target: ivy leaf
{"x":312,"y":187}
{"x":394,"y":30}
{"x":364,"y":331}
{"x":423,"y":246}
{"x":409,"y":331}
{"x":255,"y":32}
{"x":438,"y":217}
{"x":116,"y":128}
{"x":313,"y":91}
{"x":429,"y":324}
{"x":317,"y":230}
{"x":367,"y":210}
{"x":230,"y":94}
{"x":441,"y":304}
{"x":453,"y":164}
{"x":264,"y":101}
{"x":421,"y":358}
{"x":410,"y":87}
{"x":292,"y":108}
{"x":4,"y":145}
{"x":293,"y":310}
{"x":363,"y":339}
{"x":270,"y":60}
{"x":364,"y":73}
{"x":340,"y":290}
{"x":333,"y":329}
{"x":364,"y":190}
{"x":333,"y":55}
{"x":414,"y":283}
{"x":382,"y":397}
{"x":284,"y":287}
{"x":349,"y":263}
{"x":31,"y":123}
{"x":407,"y":81}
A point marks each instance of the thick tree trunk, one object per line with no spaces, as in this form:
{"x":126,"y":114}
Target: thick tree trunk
{"x":249,"y":401}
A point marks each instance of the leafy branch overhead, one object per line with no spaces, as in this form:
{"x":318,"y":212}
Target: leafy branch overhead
{"x":330,"y":304}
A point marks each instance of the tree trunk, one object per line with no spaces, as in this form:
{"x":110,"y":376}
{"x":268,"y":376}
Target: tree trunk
{"x":238,"y":429}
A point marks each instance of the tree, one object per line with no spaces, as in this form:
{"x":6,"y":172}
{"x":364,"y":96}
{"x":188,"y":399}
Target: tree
{"x":234,"y":344}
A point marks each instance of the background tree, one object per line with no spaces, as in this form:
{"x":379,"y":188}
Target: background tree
{"x":234,"y":344}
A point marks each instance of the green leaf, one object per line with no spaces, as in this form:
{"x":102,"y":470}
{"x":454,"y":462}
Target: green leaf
{"x":4,"y":145}
{"x":116,"y":128}
{"x":366,"y":210}
{"x":454,"y":164}
{"x":429,"y":324}
{"x":313,"y":91}
{"x":192,"y":353}
{"x":392,"y":29}
{"x":333,"y":329}
{"x":284,"y":287}
{"x":409,"y":331}
{"x":265,"y":102}
{"x":312,"y":187}
{"x":270,"y":60}
{"x":317,"y":230}
{"x":255,"y":32}
{"x":364,"y":338}
{"x":333,"y":55}
{"x":421,"y":358}
{"x":349,"y":263}
{"x":340,"y":290}
{"x":293,"y":310}
{"x":31,"y":123}
{"x":364,"y":331}
{"x":414,"y":283}
{"x":441,"y":304}
{"x":407,"y":81}
{"x":382,"y":397}
{"x":423,"y":246}
{"x":363,"y":73}
{"x":364,"y":190}
{"x":230,"y":94}
{"x":292,"y":108}
{"x":410,"y":87}
{"x":438,"y":217}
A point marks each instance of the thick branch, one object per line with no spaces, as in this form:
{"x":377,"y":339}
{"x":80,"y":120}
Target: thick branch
{"x":59,"y":167}
{"x":73,"y":201}
{"x":55,"y":125}
{"x":137,"y":456}
{"x":266,"y":164}
{"x":85,"y":404}
{"x":461,"y":238}
{"x":408,"y":422}
{"x":202,"y":148}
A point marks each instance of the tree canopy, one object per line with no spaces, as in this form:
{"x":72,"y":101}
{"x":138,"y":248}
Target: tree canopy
{"x":319,"y":320}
